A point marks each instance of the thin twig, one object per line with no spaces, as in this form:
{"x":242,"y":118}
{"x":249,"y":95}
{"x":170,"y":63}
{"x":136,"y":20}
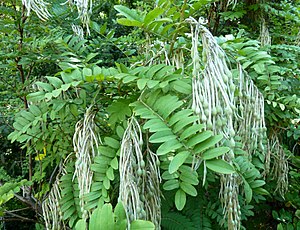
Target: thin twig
{"x":20,"y":218}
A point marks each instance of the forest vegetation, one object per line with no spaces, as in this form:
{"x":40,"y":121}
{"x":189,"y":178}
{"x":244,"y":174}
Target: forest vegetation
{"x":166,"y":114}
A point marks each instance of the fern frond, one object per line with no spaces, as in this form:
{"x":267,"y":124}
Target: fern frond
{"x":176,"y":221}
{"x":196,"y":210}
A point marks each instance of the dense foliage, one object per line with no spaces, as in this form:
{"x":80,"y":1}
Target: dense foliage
{"x":150,"y":115}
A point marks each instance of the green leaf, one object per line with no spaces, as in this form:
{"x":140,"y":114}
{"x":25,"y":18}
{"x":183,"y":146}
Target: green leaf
{"x":120,"y":212}
{"x":114,"y":163}
{"x":107,"y":151}
{"x":118,"y":111}
{"x":167,"y":176}
{"x":67,"y":205}
{"x":141,"y":83}
{"x":159,"y":71}
{"x":219,"y":166}
{"x":55,"y":93}
{"x":188,"y":188}
{"x":45,"y":86}
{"x":182,"y":123}
{"x":35,"y":110}
{"x":167,"y":105}
{"x":94,"y":220}
{"x":120,"y":131}
{"x":215,"y":152}
{"x":141,"y":225}
{"x":191,"y":131}
{"x":27,"y":115}
{"x":180,"y":199}
{"x":69,"y":213}
{"x":155,"y":125}
{"x":248,"y":191}
{"x":105,"y":219}
{"x":142,"y":111}
{"x":261,"y":191}
{"x":210,"y":142}
{"x":200,"y":137}
{"x":128,"y":13}
{"x":128,"y":79}
{"x":297,"y":214}
{"x":128,"y":22}
{"x":110,"y":174}
{"x":188,"y":175}
{"x":153,"y":71}
{"x":80,"y":225}
{"x":162,"y":136}
{"x":179,"y":115}
{"x":36,"y":96}
{"x":65,"y":87}
{"x":112,"y":142}
{"x":257,"y":183}
{"x":152,"y":83}
{"x":58,"y":105}
{"x":183,"y":86}
{"x":56,"y":82}
{"x":280,"y":227}
{"x":23,"y":138}
{"x":168,"y":147}
{"x":177,"y":161}
{"x":74,"y":109}
{"x":171,"y":184}
{"x":22,"y":121}
{"x":152,"y":15}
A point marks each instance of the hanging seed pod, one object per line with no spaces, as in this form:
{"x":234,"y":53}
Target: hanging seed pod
{"x":86,"y":142}
{"x":250,"y":124}
{"x":39,"y":7}
{"x":280,"y":169}
{"x":229,"y":196}
{"x":215,"y":84}
{"x":152,"y":183}
{"x":84,"y":8}
{"x":78,"y":31}
{"x":139,"y":179}
{"x":52,"y":213}
{"x":264,"y":37}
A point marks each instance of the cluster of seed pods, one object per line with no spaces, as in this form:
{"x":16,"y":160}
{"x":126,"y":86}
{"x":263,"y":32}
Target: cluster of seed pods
{"x":230,"y":105}
{"x":280,"y":168}
{"x":52,"y":213}
{"x":250,"y":120}
{"x":265,"y":38}
{"x":214,"y":101}
{"x":139,"y":183}
{"x":85,"y":142}
{"x":39,"y":7}
{"x":78,"y":31}
{"x":229,"y":197}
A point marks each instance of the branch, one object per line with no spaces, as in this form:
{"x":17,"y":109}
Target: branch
{"x":18,"y":210}
{"x":20,"y":218}
{"x":29,"y":71}
{"x":16,"y":219}
{"x":31,"y":203}
{"x":55,"y":172}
